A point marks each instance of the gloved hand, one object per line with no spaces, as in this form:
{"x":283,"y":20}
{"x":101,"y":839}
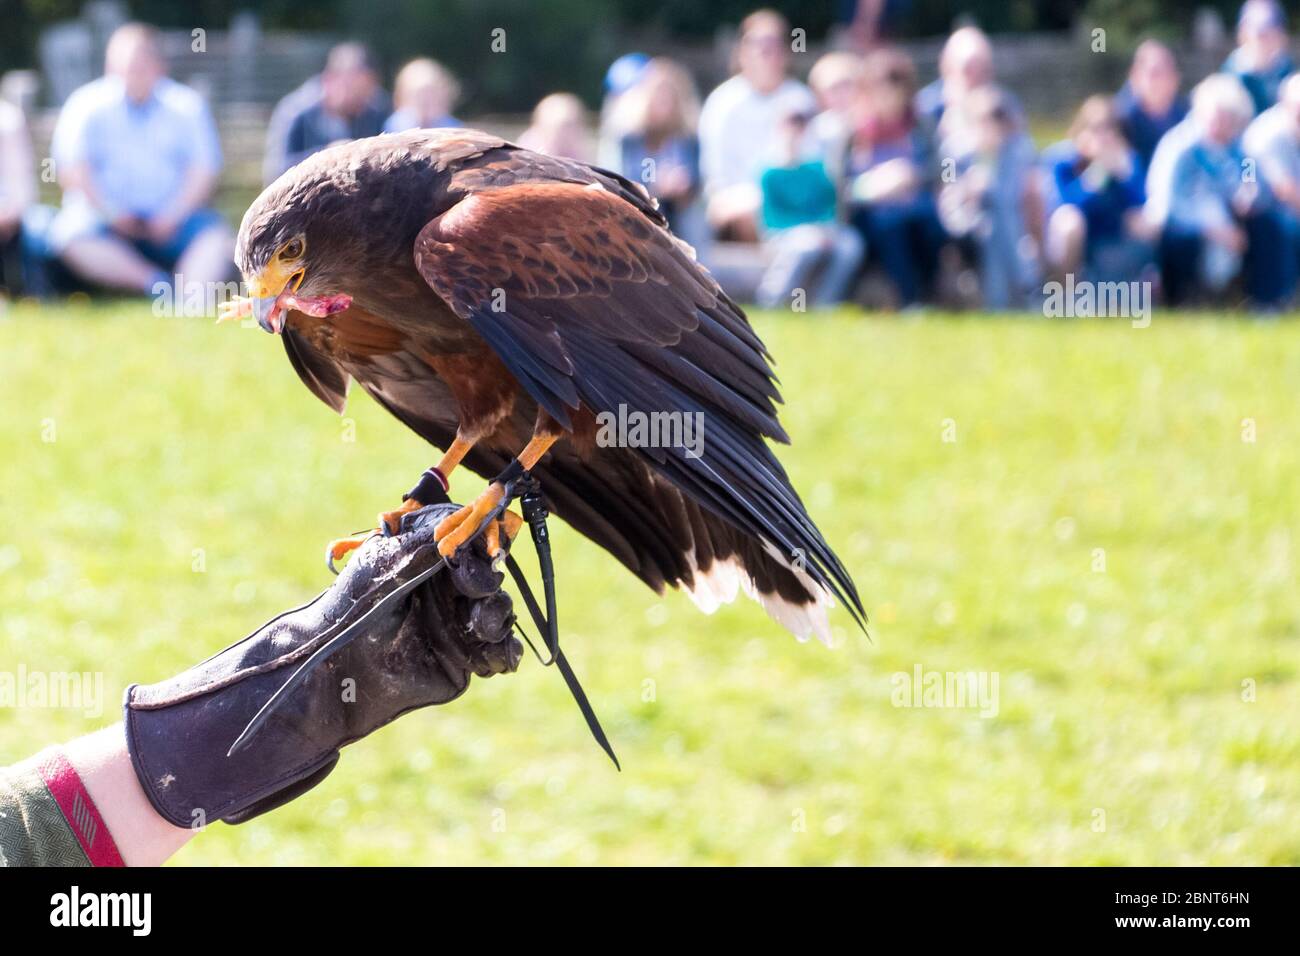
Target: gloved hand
{"x":420,"y":653}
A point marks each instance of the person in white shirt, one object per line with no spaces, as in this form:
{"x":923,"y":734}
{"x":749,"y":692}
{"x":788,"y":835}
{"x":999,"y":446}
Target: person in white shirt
{"x":739,"y":121}
{"x":138,"y":157}
{"x":1273,"y":139}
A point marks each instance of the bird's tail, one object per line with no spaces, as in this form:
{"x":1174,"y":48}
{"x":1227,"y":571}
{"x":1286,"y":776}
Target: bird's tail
{"x":736,"y":562}
{"x":666,"y":537}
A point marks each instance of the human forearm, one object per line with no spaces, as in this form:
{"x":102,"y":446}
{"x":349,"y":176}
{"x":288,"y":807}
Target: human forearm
{"x":142,"y":836}
{"x":81,"y":804}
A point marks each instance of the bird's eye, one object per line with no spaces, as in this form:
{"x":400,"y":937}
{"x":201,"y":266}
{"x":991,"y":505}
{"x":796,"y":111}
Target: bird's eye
{"x":292,"y":249}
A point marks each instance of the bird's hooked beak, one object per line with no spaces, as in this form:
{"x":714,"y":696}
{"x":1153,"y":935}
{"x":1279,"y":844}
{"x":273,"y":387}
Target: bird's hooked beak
{"x":267,"y":289}
{"x":273,"y":294}
{"x":269,"y":315}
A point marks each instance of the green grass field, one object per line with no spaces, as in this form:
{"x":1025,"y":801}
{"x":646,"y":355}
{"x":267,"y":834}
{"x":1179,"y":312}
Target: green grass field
{"x":1102,"y":536}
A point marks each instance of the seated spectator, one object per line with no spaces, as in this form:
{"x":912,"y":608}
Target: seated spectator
{"x":659,"y":148}
{"x":138,"y":158}
{"x":1221,"y":223}
{"x":1149,"y":104}
{"x":275,"y":156}
{"x":1096,"y":179}
{"x":623,"y":76}
{"x":887,"y":176}
{"x":836,"y":80}
{"x":965,"y":65}
{"x":799,"y":215}
{"x":1273,"y":141}
{"x":1262,"y":58}
{"x":347,"y":103}
{"x":559,"y":128}
{"x":989,"y":198}
{"x":966,"y":68}
{"x":17,"y":195}
{"x":1177,"y":285}
{"x":739,"y":120}
{"x":423,"y":95}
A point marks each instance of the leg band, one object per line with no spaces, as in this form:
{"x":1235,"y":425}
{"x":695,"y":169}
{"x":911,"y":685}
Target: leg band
{"x":430,"y":489}
{"x":512,"y":471}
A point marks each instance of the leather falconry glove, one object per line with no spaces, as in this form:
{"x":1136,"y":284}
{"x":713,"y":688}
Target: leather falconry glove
{"x":417,"y":653}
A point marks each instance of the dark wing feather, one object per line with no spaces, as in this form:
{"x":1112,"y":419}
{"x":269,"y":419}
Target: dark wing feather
{"x":586,"y":300}
{"x":318,"y":371}
{"x":534,"y":264}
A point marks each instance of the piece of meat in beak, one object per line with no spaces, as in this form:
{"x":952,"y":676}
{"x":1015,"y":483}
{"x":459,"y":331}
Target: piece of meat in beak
{"x":270,"y":310}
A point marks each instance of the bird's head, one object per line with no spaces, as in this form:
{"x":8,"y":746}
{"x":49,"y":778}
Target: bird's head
{"x":287,"y":263}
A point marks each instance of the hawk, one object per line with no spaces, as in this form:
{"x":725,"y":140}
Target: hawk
{"x":510,"y":308}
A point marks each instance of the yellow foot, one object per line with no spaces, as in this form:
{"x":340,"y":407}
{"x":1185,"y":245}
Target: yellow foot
{"x":392,"y":520}
{"x":341,"y":548}
{"x":457,"y":528}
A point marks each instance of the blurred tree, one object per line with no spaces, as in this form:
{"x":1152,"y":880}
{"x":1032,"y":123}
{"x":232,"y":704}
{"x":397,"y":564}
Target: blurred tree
{"x":1127,"y":22}
{"x":24,"y":19}
{"x":566,"y":44}
{"x":507,"y":53}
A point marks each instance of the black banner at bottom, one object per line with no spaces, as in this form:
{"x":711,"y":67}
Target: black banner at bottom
{"x":335,"y":906}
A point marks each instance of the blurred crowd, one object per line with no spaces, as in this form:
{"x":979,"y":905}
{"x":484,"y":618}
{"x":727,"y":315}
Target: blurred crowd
{"x":860,"y":182}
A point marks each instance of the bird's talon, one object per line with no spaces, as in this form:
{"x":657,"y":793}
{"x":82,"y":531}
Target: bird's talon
{"x":342,"y":547}
{"x":392,"y":520}
{"x":455,"y":529}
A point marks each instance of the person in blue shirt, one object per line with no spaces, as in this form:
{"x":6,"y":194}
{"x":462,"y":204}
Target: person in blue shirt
{"x":1150,"y":104}
{"x":137,"y":156}
{"x":1221,"y":211}
{"x":1096,"y":181}
{"x":1262,"y":59}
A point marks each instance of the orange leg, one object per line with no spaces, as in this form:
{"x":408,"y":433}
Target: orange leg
{"x":453,"y":457}
{"x":455,"y":529}
{"x":392,"y":520}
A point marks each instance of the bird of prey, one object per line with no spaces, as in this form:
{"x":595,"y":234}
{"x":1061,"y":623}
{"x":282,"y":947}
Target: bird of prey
{"x":505,"y":305}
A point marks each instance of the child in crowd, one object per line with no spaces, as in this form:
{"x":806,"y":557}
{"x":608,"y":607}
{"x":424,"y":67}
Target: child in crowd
{"x":1097,"y":181}
{"x":799,"y":219}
